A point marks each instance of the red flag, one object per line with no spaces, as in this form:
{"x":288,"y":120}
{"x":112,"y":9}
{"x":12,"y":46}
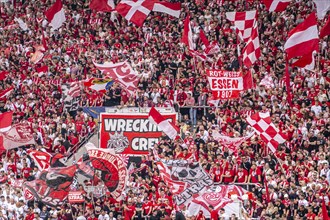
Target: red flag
{"x":122,"y":73}
{"x":169,"y":8}
{"x":276,"y":5}
{"x":204,"y":39}
{"x":251,"y":51}
{"x":55,"y":15}
{"x":3,"y":75}
{"x":187,"y":37}
{"x":164,"y":125}
{"x":42,"y":70}
{"x":102,"y":5}
{"x":5,"y":93}
{"x":135,"y":11}
{"x":302,"y":41}
{"x":324,"y":210}
{"x":325,"y":31}
{"x":41,"y":159}
{"x":6,"y":119}
{"x":244,"y":22}
{"x":248,"y":81}
{"x":263,"y":125}
{"x":18,"y":135}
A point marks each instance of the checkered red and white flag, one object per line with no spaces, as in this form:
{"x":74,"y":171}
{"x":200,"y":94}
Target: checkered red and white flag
{"x":244,"y":22}
{"x":263,"y":125}
{"x":251,"y":51}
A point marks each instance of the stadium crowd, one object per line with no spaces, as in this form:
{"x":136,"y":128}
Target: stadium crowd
{"x":297,"y":176}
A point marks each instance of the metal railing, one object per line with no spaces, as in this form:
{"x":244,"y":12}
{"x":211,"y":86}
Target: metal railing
{"x":72,"y":150}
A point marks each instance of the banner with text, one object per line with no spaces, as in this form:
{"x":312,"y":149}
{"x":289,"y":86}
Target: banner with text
{"x":225,"y":84}
{"x":130,"y":134}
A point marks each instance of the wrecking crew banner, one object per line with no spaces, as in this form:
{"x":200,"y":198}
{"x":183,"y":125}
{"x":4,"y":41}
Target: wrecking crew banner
{"x":130,"y":134}
{"x":225,"y":84}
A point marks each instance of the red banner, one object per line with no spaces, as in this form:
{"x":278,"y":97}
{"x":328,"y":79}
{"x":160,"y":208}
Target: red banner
{"x":76,"y":197}
{"x":225,"y":84}
{"x":130,"y":134}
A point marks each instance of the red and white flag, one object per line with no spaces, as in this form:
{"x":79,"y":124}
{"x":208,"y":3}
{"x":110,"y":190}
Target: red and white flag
{"x":325,"y":31}
{"x":187,"y":37}
{"x":18,"y":135}
{"x":121,"y":73}
{"x":203,"y":38}
{"x":164,"y":125}
{"x":212,"y":48}
{"x":41,"y":159}
{"x":263,"y":125}
{"x":102,"y":5}
{"x":135,"y":11}
{"x":169,"y":8}
{"x":244,"y":22}
{"x":202,"y":56}
{"x":5,"y":93}
{"x":6,"y":120}
{"x":302,"y":41}
{"x":276,"y":5}
{"x":251,"y":51}
{"x":322,"y":7}
{"x":55,"y":15}
{"x":248,"y":81}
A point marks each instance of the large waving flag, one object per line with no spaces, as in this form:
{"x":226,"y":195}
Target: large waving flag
{"x":325,"y":31}
{"x":187,"y":37}
{"x":302,"y":41}
{"x":135,"y":11}
{"x":243,"y":22}
{"x":262,"y":124}
{"x":6,"y":120}
{"x":322,"y":7}
{"x":55,"y":15}
{"x":100,"y":85}
{"x":169,"y":8}
{"x":122,"y":73}
{"x":102,"y":5}
{"x":276,"y":5}
{"x":164,"y":125}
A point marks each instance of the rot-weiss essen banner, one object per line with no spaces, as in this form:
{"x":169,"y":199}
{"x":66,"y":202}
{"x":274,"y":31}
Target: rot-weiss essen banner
{"x":225,"y":84}
{"x":130,"y":134}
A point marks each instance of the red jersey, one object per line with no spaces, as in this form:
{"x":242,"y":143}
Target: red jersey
{"x":129,"y":212}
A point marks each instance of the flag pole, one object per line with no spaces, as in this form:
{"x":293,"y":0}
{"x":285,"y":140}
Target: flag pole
{"x":287,"y":81}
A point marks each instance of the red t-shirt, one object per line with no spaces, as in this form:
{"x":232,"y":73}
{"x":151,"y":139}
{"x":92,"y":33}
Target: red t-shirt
{"x":26,"y":172}
{"x":241,"y":176}
{"x":128,"y":213}
{"x":231,"y":178}
{"x":254,"y":175}
{"x":214,"y":215}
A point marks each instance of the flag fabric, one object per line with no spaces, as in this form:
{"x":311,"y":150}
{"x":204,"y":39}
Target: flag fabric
{"x":325,"y":31}
{"x":324,"y":210}
{"x":41,"y":159}
{"x":122,"y":73}
{"x":200,"y":55}
{"x":52,"y":186}
{"x":276,"y":5}
{"x":173,"y":9}
{"x":212,"y":48}
{"x":5,"y":93}
{"x":135,"y":11}
{"x":71,"y":95}
{"x":18,"y":135}
{"x":112,"y":168}
{"x":187,"y":37}
{"x":184,"y":178}
{"x":232,"y":143}
{"x":203,"y":38}
{"x":6,"y":119}
{"x":302,"y":41}
{"x":267,"y":81}
{"x":164,"y":125}
{"x":248,"y":81}
{"x":322,"y":7}
{"x":100,"y":85}
{"x":251,"y":51}
{"x":55,"y":15}
{"x":102,"y":5}
{"x":243,"y":22}
{"x":262,"y":124}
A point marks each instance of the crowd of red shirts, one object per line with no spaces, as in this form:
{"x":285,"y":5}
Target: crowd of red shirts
{"x":297,"y":176}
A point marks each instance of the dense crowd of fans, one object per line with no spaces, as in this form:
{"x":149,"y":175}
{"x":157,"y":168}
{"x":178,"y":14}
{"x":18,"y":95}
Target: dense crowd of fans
{"x":297,"y":176}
